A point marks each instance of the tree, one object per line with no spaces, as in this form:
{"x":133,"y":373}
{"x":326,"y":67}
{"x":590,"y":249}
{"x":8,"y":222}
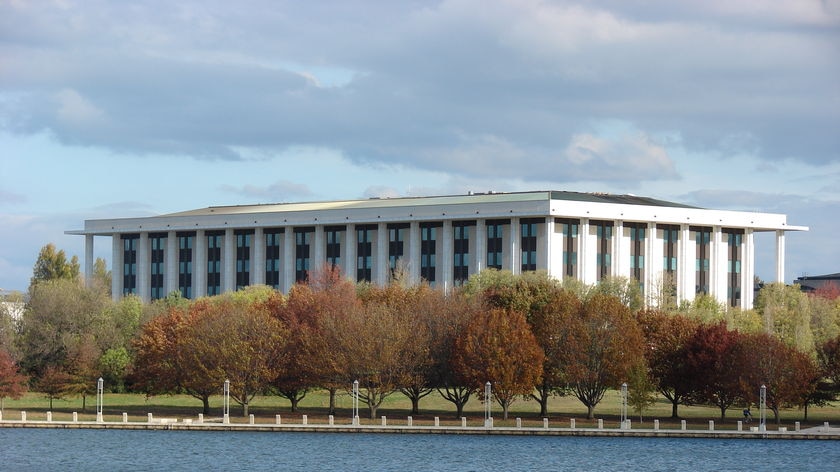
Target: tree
{"x":53,"y":265}
{"x":114,"y":364}
{"x":642,"y":389}
{"x":665,"y":338}
{"x":53,"y":384}
{"x":445,"y":331}
{"x":786,"y":315}
{"x":497,"y":346}
{"x":604,"y":344}
{"x":550,"y":324}
{"x":712,"y":360}
{"x":60,"y":315}
{"x":228,"y":339}
{"x":12,"y":383}
{"x":313,"y":310}
{"x":788,"y":375}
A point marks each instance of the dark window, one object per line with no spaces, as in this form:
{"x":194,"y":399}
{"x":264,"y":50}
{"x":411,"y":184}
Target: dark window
{"x":130,"y":263}
{"x":495,"y":247}
{"x":273,"y":239}
{"x":570,"y":241}
{"x":214,"y":262}
{"x":702,"y":238}
{"x":671,"y":237}
{"x":334,"y":235}
{"x":428,"y":248}
{"x":185,"y":255}
{"x":396,"y":244}
{"x":158,"y":250}
{"x":603,"y":256}
{"x":461,"y":251}
{"x":734,"y":238}
{"x":364,"y":252}
{"x":528,"y":242}
{"x":637,"y":252}
{"x":303,"y":242}
{"x":243,"y":257}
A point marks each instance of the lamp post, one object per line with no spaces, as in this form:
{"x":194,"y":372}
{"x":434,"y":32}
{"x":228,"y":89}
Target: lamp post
{"x":762,"y":409}
{"x":99,"y":385}
{"x":488,"y":393}
{"x":226,"y":403}
{"x":623,"y":405}
{"x":355,"y":402}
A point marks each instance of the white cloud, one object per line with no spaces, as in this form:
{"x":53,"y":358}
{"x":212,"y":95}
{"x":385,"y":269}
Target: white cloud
{"x":77,"y":111}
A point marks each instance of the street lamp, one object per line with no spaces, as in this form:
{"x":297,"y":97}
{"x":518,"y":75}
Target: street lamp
{"x":623,"y":405}
{"x":762,"y":409}
{"x":355,"y":402}
{"x":226,"y":403}
{"x":99,"y":384}
{"x":488,"y":393}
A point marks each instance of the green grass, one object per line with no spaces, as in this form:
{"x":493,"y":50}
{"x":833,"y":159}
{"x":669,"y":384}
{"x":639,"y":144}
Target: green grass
{"x":396,"y":407}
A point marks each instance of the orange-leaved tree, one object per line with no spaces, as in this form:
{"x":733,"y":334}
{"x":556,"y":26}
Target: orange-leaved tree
{"x":497,"y":346}
{"x":12,"y":382}
{"x":604,"y":344}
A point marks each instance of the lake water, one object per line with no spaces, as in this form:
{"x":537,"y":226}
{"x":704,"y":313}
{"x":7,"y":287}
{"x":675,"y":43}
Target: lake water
{"x":117,"y":450}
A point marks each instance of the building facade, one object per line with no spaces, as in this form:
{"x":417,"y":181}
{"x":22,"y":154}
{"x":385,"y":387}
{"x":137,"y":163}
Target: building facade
{"x":442,"y":240}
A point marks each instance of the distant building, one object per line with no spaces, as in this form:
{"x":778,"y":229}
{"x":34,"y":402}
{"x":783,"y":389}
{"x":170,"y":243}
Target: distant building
{"x":443,"y":240}
{"x":810,"y":283}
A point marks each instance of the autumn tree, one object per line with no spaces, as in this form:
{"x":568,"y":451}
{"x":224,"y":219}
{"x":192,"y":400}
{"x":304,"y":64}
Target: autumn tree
{"x":605,"y":342}
{"x":550,"y":322}
{"x":235,"y":340}
{"x":712,"y":359}
{"x":13,"y":384}
{"x":317,"y":309}
{"x":789,"y":376}
{"x":497,"y":346}
{"x":666,"y":336}
{"x":53,"y":383}
{"x":445,"y":331}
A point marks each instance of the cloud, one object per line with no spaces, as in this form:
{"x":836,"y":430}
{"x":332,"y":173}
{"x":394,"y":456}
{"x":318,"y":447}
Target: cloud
{"x":11,"y":198}
{"x":478,"y":88}
{"x":282,"y":190}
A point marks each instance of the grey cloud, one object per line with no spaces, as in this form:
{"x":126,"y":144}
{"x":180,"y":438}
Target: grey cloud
{"x":487,"y":89}
{"x":282,"y":190}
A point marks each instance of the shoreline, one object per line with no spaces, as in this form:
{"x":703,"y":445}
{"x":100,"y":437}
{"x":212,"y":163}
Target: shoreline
{"x":815,"y":433}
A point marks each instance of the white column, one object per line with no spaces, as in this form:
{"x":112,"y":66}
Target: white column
{"x":586,"y":274}
{"x":617,"y":248}
{"x":555,"y":261}
{"x":88,"y":259}
{"x":748,"y":270}
{"x":445,"y":267}
{"x":780,"y":256}
{"x":351,"y":251}
{"x":144,"y":268}
{"x":258,"y":261}
{"x":654,"y":261}
{"x":116,"y":266}
{"x":319,"y":255}
{"x":414,"y":251}
{"x":229,"y":261}
{"x":288,"y":269}
{"x":514,"y":257}
{"x":685,"y":266}
{"x":380,"y":260}
{"x":200,"y":265}
{"x":718,"y":269}
{"x":544,"y":245}
{"x":170,"y":275}
{"x":478,"y":248}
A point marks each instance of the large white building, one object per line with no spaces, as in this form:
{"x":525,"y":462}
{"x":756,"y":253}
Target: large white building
{"x":443,"y":240}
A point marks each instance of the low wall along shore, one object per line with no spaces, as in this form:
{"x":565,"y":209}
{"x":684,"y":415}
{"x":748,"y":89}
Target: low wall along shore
{"x":406,"y":426}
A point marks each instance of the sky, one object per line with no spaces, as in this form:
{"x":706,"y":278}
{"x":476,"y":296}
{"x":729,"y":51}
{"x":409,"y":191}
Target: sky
{"x":121,"y":109}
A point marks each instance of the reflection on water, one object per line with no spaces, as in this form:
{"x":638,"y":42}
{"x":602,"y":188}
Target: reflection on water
{"x":111,"y":450}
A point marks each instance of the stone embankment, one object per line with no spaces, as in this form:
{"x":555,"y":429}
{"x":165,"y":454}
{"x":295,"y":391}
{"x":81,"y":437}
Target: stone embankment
{"x":825,"y":432}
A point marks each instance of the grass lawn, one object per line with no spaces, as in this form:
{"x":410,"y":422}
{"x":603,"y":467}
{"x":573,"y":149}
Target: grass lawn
{"x":396,"y":407}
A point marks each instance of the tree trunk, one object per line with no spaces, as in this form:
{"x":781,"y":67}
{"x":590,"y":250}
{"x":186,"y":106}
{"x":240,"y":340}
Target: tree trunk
{"x":84,"y":402}
{"x":722,"y":413}
{"x":294,"y":401}
{"x":245,"y":408}
{"x":415,"y":405}
{"x":332,"y":391}
{"x":590,"y":412}
{"x":674,"y":405}
{"x":804,"y":419}
{"x":205,"y":402}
